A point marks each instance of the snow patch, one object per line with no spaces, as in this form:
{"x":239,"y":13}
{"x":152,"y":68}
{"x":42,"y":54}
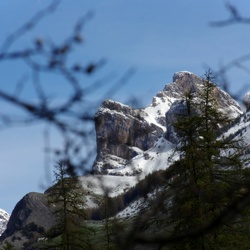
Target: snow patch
{"x":4,"y":218}
{"x":113,"y":185}
{"x":157,"y":110}
{"x":158,"y":157}
{"x":133,"y":209}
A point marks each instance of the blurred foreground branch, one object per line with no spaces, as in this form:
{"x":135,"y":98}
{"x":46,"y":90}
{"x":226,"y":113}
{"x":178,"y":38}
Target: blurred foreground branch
{"x":242,"y":62}
{"x":72,"y":112}
{"x":234,"y":18}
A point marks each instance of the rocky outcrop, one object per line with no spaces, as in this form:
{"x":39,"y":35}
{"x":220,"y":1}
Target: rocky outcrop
{"x":32,"y":209}
{"x":178,"y":108}
{"x":185,"y":82}
{"x":246,"y":101}
{"x":121,"y":132}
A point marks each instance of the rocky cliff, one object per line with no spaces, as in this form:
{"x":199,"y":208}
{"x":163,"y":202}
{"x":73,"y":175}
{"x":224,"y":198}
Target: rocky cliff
{"x":123,"y":132}
{"x":185,"y":82}
{"x":30,"y":215}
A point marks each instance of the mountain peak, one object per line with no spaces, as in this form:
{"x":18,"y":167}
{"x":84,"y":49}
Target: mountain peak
{"x":181,"y":74}
{"x":124,"y":133}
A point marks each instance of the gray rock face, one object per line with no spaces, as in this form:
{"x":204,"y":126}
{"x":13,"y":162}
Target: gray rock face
{"x":246,"y":101}
{"x":32,"y":208}
{"x":121,"y":131}
{"x":185,"y":82}
{"x":177,"y":108}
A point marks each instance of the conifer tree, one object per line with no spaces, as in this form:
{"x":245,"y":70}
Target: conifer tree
{"x":107,"y":207}
{"x":68,"y":201}
{"x":7,"y":246}
{"x":209,"y":178}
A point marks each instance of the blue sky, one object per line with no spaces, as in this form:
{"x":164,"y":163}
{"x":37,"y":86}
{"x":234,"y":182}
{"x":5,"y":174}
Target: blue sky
{"x":155,"y":37}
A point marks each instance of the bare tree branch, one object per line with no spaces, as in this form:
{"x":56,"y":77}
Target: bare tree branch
{"x":235,"y":17}
{"x":28,"y":26}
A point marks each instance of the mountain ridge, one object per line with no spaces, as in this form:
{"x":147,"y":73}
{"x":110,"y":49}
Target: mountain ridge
{"x":121,"y":136}
{"x":132,"y":143}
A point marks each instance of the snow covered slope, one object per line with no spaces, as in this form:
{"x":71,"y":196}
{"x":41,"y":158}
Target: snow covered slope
{"x":157,"y":157}
{"x":241,"y":131}
{"x":4,"y":218}
{"x":118,"y":181}
{"x":114,"y":185}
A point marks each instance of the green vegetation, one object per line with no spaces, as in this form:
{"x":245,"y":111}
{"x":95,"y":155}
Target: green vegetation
{"x":194,"y":204}
{"x":30,"y":229}
{"x":8,"y":246}
{"x":208,"y":178}
{"x":68,"y":201}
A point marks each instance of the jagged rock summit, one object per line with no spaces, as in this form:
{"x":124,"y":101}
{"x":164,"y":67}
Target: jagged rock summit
{"x":124,"y":133}
{"x":4,"y":218}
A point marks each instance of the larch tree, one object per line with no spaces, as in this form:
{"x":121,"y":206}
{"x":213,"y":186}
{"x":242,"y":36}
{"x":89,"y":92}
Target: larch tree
{"x":67,"y":199}
{"x":209,"y":178}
